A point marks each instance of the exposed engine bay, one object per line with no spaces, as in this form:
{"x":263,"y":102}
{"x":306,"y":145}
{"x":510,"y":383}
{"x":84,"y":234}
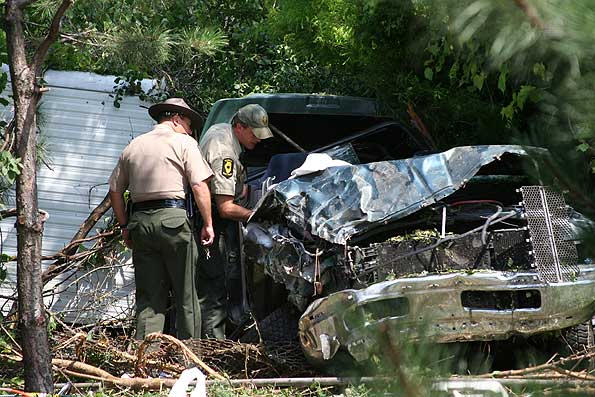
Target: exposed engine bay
{"x":458,"y":242}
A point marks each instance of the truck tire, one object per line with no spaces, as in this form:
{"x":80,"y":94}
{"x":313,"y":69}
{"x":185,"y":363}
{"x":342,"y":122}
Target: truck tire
{"x":279,"y":326}
{"x":580,"y":337}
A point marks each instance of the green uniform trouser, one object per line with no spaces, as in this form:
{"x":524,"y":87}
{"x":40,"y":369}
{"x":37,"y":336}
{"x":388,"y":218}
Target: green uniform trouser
{"x":212,"y":290}
{"x":219,"y":278}
{"x":165,"y":256}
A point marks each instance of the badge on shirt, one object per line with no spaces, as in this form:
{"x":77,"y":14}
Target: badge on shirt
{"x":227,"y":170}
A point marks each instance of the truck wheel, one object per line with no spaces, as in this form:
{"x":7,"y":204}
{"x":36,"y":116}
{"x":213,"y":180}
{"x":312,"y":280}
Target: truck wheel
{"x":279,"y":326}
{"x":580,"y":337}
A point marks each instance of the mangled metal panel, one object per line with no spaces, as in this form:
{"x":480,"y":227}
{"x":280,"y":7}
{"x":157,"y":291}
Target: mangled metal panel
{"x":342,"y":202}
{"x":284,"y":258}
{"x":454,"y":307}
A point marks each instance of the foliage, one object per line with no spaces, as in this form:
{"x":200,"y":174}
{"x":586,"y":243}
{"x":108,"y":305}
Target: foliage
{"x":540,"y":55}
{"x":139,"y":45}
{"x":475,"y":71}
{"x":9,"y":165}
{"x":209,"y":50}
{"x":467,"y":83}
{"x":10,"y":168}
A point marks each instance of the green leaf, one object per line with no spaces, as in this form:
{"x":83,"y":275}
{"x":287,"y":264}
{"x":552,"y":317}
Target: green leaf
{"x":583,"y":147}
{"x":584,"y":132}
{"x":508,"y":111}
{"x":539,"y":70}
{"x":433,"y":49}
{"x":429,"y":74}
{"x":52,"y":324}
{"x":3,"y":80}
{"x":473,"y":68}
{"x":454,"y":70}
{"x":502,"y":81}
{"x":478,"y":80}
{"x":524,"y":94}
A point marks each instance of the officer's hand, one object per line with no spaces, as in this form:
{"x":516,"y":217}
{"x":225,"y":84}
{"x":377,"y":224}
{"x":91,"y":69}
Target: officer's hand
{"x":126,"y":237}
{"x":207,"y":235}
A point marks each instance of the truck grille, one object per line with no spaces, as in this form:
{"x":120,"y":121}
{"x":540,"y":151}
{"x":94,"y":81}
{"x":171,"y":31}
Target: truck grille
{"x":554,"y":251}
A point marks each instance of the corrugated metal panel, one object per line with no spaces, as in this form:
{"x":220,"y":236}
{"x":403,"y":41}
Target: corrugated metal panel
{"x":84,"y":135}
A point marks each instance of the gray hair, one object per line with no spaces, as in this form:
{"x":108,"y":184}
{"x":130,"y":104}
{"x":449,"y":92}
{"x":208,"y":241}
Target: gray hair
{"x":165,"y":116}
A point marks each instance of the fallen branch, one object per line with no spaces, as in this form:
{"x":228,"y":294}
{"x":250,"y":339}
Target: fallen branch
{"x":550,"y":365}
{"x":7,"y":213}
{"x":187,"y":352}
{"x":573,"y":374}
{"x":8,"y":138}
{"x":87,"y":371}
{"x":66,"y":254}
{"x":66,"y":259}
{"x":82,"y":370}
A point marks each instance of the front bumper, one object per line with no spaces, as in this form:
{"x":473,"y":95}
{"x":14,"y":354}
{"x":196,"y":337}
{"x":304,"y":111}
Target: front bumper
{"x":485,"y":305}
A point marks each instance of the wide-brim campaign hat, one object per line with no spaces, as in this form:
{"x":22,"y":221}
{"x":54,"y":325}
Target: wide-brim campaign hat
{"x":176,"y":105}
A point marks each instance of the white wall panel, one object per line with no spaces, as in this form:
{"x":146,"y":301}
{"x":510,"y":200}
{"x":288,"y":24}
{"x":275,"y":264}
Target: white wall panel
{"x":84,"y":135}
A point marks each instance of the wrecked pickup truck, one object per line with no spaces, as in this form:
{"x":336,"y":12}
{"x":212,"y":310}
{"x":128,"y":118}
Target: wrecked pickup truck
{"x":448,"y":247}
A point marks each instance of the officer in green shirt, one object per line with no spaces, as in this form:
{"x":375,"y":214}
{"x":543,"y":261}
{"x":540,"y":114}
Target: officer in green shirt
{"x":222,"y":146}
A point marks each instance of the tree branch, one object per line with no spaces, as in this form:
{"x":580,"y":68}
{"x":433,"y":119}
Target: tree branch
{"x":7,"y":213}
{"x":574,"y":374}
{"x":82,"y":370}
{"x":15,"y":40}
{"x":55,"y":268}
{"x":185,"y":350}
{"x":51,"y":37}
{"x":24,"y":3}
{"x":531,"y":13}
{"x":546,"y":366}
{"x":8,"y":137}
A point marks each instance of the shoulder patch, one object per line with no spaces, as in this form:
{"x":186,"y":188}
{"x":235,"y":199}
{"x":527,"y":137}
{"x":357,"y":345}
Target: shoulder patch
{"x":227,"y":169}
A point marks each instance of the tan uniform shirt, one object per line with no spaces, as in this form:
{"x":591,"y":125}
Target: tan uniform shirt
{"x":157,"y":165}
{"x":222,"y":151}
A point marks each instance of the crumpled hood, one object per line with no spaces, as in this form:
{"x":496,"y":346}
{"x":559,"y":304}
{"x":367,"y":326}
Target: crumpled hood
{"x":342,"y":202}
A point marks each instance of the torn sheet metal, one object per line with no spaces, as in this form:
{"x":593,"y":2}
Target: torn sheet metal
{"x":342,"y":202}
{"x":287,"y":260}
{"x":443,"y":308}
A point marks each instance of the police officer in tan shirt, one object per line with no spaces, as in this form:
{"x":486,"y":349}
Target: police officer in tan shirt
{"x":157,"y":167}
{"x":222,"y":146}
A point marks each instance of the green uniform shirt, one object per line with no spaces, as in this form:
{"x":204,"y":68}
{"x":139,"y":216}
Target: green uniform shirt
{"x":221,"y":149}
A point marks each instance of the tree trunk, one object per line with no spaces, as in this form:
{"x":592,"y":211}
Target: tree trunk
{"x":32,"y":315}
{"x":25,"y":91}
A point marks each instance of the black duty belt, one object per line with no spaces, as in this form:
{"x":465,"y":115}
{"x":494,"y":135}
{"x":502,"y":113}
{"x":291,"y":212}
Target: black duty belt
{"x":158,"y":204}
